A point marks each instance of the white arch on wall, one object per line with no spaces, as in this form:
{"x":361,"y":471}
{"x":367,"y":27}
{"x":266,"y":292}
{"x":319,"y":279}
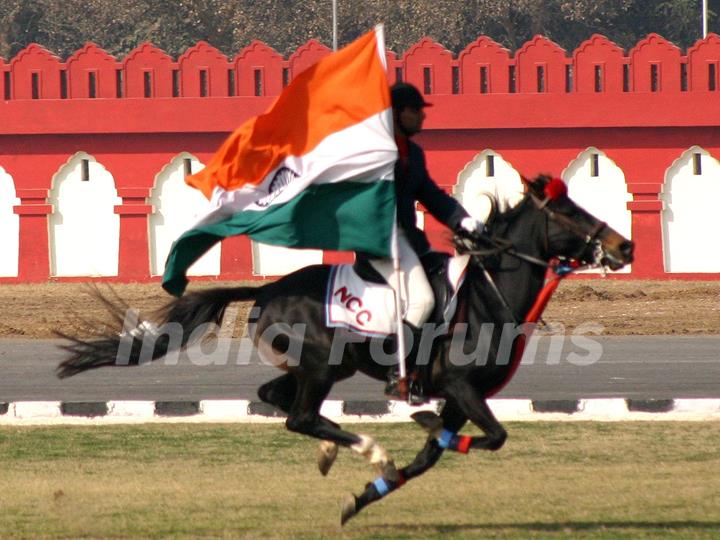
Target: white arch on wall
{"x":84,"y":228}
{"x":488,"y":173}
{"x":177,"y":207}
{"x":9,"y":225}
{"x":689,"y":208}
{"x":600,"y":189}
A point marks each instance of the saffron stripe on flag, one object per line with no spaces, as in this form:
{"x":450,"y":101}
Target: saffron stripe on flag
{"x":341,"y":90}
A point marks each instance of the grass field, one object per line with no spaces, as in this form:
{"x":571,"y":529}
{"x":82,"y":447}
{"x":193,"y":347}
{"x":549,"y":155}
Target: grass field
{"x":562,"y":480}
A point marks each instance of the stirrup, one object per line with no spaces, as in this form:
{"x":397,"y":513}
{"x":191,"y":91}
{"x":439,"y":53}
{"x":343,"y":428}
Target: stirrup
{"x":405,"y":390}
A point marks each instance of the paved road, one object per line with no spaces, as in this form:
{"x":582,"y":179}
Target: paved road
{"x":630,"y":367}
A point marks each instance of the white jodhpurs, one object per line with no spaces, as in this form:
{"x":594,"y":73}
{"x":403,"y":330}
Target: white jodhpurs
{"x":415,"y":292}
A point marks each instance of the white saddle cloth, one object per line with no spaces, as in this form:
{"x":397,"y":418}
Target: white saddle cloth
{"x":369,"y":308}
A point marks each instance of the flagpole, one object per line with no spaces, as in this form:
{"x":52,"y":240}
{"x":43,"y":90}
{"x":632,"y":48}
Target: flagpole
{"x":395,"y":254}
{"x":401,"y":351}
{"x":705,"y":18}
{"x":334,"y":28}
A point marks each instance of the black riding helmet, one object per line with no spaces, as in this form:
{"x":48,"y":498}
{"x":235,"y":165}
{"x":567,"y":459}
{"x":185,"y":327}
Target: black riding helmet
{"x":406,"y":95}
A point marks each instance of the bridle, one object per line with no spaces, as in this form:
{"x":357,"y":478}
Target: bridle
{"x":591,"y":236}
{"x":562,"y":267}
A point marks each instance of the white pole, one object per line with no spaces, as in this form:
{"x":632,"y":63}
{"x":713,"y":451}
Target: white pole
{"x":401,"y":350}
{"x":334,"y":6}
{"x":705,"y":18}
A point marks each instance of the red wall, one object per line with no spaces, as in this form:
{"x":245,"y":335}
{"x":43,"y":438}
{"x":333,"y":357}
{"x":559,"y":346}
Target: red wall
{"x":539,"y":108}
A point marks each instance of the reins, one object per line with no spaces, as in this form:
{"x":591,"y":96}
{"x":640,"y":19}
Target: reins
{"x":561,"y":268}
{"x":500,"y":246}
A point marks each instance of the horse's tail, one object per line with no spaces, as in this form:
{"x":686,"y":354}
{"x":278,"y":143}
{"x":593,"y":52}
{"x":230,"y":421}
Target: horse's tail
{"x":141,"y":341}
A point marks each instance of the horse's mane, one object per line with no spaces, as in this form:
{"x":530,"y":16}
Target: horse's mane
{"x":501,"y":222}
{"x":509,"y":215}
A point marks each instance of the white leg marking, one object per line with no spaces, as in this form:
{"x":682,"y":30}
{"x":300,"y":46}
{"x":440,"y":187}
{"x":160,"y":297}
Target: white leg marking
{"x":377,"y":456}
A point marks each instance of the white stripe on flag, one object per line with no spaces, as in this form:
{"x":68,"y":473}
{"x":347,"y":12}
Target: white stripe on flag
{"x":364,"y":152}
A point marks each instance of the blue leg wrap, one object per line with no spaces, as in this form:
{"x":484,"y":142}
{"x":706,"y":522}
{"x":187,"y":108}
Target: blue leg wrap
{"x":446,"y":438}
{"x":381,"y":486}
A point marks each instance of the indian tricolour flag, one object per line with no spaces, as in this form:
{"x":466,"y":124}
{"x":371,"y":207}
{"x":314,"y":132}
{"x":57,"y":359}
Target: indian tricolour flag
{"x":314,"y":171}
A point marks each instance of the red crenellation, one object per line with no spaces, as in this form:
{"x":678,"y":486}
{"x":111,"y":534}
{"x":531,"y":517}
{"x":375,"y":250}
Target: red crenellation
{"x":539,"y":108}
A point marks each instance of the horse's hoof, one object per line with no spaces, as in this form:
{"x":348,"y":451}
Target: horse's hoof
{"x":429,"y":421}
{"x":326,"y":454}
{"x":349,"y":508}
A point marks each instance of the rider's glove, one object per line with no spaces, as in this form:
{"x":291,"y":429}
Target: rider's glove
{"x":472,"y":225}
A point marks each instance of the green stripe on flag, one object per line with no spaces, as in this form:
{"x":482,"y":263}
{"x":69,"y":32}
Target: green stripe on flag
{"x":346,"y":216}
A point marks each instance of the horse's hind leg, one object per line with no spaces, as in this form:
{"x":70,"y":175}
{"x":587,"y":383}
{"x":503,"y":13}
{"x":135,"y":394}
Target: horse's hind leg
{"x":281,"y":392}
{"x":305,"y":418}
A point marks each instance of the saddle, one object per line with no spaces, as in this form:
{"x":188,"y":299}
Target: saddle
{"x":359,"y":299}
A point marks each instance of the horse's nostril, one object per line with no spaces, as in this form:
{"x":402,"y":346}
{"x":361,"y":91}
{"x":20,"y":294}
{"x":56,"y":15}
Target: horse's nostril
{"x":627,"y":248}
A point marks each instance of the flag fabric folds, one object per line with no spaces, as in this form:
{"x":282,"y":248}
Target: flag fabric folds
{"x":314,"y":171}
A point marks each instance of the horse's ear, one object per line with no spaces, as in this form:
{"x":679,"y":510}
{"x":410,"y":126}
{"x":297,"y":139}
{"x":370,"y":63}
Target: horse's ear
{"x":545,"y":187}
{"x":536,"y":185}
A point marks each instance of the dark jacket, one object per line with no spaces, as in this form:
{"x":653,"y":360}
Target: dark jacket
{"x":413,"y":183}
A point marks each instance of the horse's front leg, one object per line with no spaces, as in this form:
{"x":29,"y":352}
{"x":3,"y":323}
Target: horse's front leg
{"x":474,"y":405}
{"x":451,"y":418}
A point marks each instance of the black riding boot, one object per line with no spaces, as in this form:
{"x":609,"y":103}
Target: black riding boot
{"x":411,"y":388}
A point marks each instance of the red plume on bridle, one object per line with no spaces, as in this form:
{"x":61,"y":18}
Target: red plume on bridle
{"x":546,"y":187}
{"x":555,"y":188}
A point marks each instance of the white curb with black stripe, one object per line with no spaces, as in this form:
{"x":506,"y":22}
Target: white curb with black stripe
{"x":244,"y":411}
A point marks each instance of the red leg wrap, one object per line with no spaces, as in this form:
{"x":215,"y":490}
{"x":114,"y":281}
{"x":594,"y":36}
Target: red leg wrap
{"x":464,"y":444}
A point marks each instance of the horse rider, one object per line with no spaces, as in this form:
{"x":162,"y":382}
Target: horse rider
{"x":413,"y":183}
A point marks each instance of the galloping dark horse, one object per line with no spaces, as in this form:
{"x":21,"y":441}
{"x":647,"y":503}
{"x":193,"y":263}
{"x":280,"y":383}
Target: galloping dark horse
{"x":498,"y":291}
